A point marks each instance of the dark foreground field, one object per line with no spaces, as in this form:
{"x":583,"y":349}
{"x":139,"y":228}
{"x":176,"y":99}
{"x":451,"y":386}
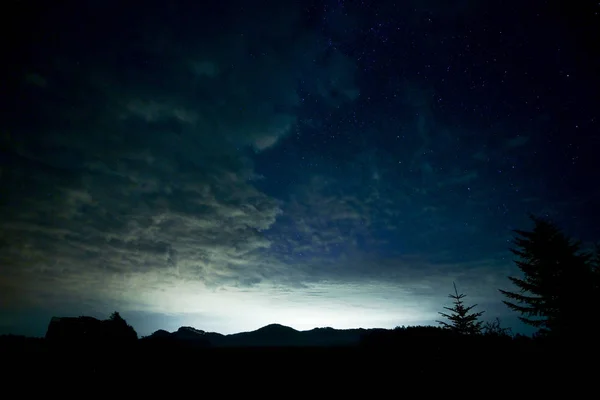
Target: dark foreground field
{"x":500,"y":363}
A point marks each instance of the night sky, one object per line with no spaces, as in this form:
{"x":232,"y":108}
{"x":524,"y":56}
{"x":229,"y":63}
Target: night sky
{"x":318,"y":163}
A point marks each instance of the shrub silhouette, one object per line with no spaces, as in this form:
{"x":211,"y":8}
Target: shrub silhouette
{"x":495,"y":329}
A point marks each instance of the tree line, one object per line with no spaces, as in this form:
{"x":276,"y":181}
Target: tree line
{"x":558,"y":291}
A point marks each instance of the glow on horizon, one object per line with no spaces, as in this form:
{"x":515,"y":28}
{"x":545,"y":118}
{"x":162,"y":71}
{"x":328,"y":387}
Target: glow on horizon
{"x":232,"y":310}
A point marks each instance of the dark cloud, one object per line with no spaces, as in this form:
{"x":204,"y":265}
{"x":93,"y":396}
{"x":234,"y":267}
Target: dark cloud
{"x":137,"y":171}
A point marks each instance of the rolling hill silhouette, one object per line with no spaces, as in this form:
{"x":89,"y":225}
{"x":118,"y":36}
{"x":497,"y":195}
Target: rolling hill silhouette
{"x":273,"y":335}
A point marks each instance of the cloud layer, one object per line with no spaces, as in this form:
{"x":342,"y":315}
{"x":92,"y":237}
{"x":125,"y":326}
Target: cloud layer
{"x":135,"y":170}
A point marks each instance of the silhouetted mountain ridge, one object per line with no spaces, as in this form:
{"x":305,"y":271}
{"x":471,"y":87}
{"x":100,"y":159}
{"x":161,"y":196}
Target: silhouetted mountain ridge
{"x":270,"y":335}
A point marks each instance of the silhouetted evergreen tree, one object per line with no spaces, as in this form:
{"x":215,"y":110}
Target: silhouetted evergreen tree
{"x":461,"y":319}
{"x":556,"y":290}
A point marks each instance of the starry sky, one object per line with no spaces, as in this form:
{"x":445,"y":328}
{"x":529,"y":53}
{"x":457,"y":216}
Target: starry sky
{"x":232,"y":164}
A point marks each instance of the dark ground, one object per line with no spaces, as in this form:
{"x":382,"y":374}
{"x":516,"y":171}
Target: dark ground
{"x":499,"y":364}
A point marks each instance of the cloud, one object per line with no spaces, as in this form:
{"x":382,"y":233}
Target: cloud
{"x":132,"y":175}
{"x":458,"y":178}
{"x":327,"y":216}
{"x":152,"y":111}
{"x":121,"y":220}
{"x":517,"y":141}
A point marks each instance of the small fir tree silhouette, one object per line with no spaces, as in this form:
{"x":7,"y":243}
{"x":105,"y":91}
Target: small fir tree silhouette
{"x":462,"y":320}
